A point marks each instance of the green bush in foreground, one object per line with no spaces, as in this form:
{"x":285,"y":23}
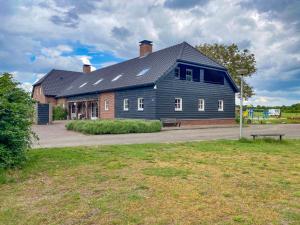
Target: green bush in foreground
{"x":16,"y":113}
{"x":59,"y":113}
{"x":114,"y":126}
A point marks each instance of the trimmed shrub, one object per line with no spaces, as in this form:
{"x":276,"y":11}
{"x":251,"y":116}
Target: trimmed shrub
{"x":114,"y":126}
{"x":16,"y":117}
{"x":59,"y":113}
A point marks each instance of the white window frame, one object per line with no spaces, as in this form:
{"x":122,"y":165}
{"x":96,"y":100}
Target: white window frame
{"x":201,"y":104}
{"x":125,"y":104}
{"x":106,"y":104}
{"x":177,"y":68}
{"x":94,"y":110}
{"x":140,"y":104}
{"x":178,"y":106}
{"x":220,"y":105}
{"x":186,"y":71}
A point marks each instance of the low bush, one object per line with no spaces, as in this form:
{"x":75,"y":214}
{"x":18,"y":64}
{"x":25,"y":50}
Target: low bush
{"x":59,"y":113}
{"x":114,"y":126}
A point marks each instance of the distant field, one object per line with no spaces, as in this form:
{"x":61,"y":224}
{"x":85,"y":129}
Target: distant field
{"x":258,"y":118}
{"x":219,"y":182}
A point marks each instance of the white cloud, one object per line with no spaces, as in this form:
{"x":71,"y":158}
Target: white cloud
{"x":275,"y":40}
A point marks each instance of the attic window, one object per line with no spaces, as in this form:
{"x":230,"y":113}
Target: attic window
{"x":69,"y":88}
{"x":98,"y":81}
{"x":117,"y":77}
{"x":83,"y":85}
{"x":142,"y":72}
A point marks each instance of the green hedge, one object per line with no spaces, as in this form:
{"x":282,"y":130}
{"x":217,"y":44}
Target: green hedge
{"x":114,"y":126}
{"x":59,"y":113}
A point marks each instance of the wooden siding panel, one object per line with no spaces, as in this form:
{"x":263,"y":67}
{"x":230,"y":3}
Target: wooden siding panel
{"x":168,"y":88}
{"x":149,"y":95}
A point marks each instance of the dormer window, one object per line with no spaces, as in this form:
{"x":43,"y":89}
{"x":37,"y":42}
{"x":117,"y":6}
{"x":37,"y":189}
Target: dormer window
{"x":117,"y":77}
{"x":177,"y":73}
{"x":83,"y":85}
{"x":189,"y":75}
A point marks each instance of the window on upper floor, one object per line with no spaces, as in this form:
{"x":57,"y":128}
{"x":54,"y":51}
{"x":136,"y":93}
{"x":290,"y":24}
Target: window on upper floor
{"x":143,"y":72}
{"x":201,"y":105}
{"x":177,"y":73}
{"x":140,"y":103}
{"x":178,"y":104}
{"x":214,"y":76}
{"x":189,"y":75}
{"x":220,"y":105}
{"x":98,"y":81}
{"x":117,"y":77}
{"x":83,"y":85}
{"x":125,"y":104}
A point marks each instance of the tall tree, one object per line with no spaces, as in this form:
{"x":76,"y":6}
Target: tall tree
{"x":233,"y":59}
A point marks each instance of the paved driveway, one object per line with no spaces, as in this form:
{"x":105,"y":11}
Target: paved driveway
{"x":56,"y":135}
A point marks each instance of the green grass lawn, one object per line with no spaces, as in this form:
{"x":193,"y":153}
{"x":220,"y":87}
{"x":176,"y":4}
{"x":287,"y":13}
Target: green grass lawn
{"x":218,"y":182}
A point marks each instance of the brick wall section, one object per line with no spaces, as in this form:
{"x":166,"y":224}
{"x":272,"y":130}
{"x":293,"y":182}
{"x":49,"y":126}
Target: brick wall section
{"x":38,"y":94}
{"x":207,"y":122}
{"x":110,"y":113}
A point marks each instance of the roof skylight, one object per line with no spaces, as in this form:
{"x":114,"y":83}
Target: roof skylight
{"x":142,"y":72}
{"x":117,"y":77}
{"x":98,"y":81}
{"x":83,"y":85}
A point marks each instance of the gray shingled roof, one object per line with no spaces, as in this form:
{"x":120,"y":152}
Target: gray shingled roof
{"x":57,"y":80}
{"x":158,"y":63}
{"x":62,"y":83}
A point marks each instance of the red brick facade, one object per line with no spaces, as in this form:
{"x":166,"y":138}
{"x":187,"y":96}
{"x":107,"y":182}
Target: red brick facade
{"x":208,"y":122}
{"x":39,"y":96}
{"x":109,"y":112}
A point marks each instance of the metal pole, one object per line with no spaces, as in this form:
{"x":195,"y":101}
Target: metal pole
{"x":241,"y":109}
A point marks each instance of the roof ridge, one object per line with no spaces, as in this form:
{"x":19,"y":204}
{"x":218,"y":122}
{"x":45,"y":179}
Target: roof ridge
{"x":214,"y":60}
{"x":181,"y":50}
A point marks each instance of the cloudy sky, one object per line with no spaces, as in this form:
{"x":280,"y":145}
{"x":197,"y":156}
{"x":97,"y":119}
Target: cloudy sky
{"x":36,"y":36}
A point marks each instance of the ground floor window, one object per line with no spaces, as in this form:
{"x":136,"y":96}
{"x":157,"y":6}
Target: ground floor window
{"x":201,"y":104}
{"x":220,"y":105}
{"x":140,"y":104}
{"x":178,"y":104}
{"x":106,"y":105}
{"x":125,"y":104}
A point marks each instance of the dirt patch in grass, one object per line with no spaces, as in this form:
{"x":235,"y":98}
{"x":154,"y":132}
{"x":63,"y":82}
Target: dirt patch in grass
{"x":222,"y":182}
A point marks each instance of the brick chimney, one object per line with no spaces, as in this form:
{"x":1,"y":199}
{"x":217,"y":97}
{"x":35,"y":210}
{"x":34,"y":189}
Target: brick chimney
{"x":145,"y":47}
{"x":86,"y":68}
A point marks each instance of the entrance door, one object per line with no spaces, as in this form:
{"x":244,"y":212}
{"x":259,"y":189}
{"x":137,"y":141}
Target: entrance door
{"x":94,"y":110}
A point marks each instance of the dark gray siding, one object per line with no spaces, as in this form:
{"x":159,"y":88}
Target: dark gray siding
{"x":149,"y":95}
{"x":43,"y":114}
{"x":168,"y":88}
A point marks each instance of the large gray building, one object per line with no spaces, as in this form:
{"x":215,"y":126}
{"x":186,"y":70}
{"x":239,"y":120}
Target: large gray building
{"x":176,"y":82}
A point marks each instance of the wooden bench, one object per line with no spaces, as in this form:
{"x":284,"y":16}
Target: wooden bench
{"x":170,"y":122}
{"x":267,"y":135}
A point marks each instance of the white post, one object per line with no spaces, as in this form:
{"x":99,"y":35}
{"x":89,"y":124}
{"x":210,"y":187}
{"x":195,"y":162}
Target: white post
{"x":241,"y":109}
